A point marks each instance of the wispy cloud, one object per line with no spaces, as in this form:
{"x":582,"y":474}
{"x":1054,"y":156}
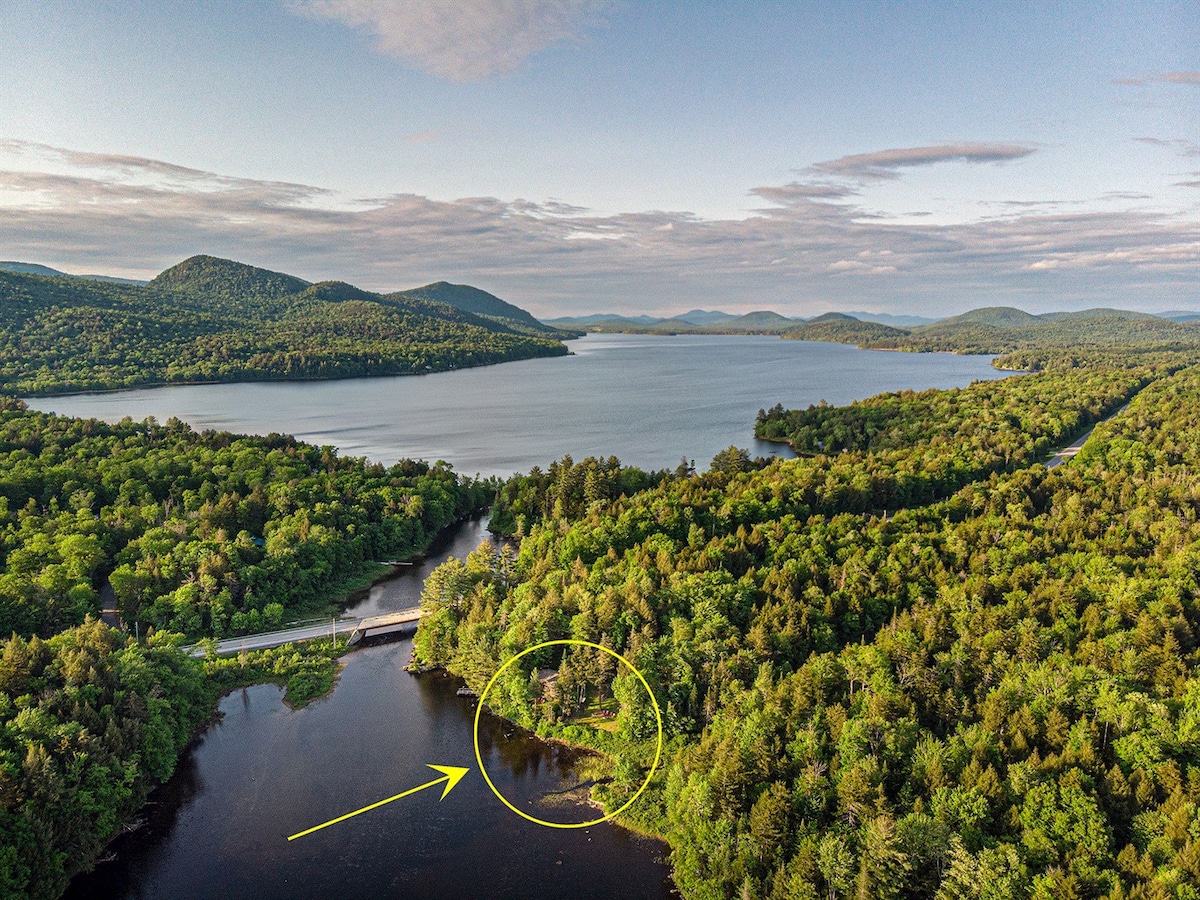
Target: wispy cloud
{"x":796,"y":190}
{"x":461,"y":41}
{"x":1188,"y":77}
{"x":1182,"y":147}
{"x":888,"y":163}
{"x":100,"y":212}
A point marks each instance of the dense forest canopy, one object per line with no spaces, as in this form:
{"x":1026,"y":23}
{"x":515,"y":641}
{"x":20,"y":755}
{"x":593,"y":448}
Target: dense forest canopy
{"x":913,"y":664}
{"x":206,"y":534}
{"x":89,"y":722}
{"x":210,"y":319}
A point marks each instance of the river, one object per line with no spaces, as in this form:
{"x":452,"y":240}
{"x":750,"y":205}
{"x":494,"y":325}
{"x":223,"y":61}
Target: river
{"x":218,"y":828}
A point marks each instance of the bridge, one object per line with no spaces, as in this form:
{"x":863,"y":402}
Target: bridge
{"x":373,"y":626}
{"x":357,"y":629}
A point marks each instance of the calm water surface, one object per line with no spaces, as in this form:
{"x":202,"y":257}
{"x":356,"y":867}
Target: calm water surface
{"x":649,"y":400}
{"x":218,"y":828}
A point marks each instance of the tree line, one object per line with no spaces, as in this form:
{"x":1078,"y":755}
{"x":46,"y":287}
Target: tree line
{"x":990,"y":691}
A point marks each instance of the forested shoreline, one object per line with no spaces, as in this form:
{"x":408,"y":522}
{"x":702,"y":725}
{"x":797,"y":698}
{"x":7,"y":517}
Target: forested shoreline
{"x":908,"y":664}
{"x":205,"y":534}
{"x":913,"y":664}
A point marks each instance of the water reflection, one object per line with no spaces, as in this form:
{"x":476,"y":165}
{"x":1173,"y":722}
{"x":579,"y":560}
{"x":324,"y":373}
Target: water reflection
{"x":218,"y":828}
{"x":647,"y":400}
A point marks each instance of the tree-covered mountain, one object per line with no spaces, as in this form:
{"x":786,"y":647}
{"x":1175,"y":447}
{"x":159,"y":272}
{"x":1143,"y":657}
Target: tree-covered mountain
{"x":488,"y":306}
{"x":763,"y":320}
{"x":213,"y":278}
{"x":841,"y":329}
{"x":210,"y":319}
{"x":996,"y":316}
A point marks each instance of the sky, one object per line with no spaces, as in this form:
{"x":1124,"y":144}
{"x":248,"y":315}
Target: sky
{"x":579,"y":156}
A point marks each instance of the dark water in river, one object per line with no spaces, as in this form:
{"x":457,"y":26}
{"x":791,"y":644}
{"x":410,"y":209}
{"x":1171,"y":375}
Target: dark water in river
{"x":219,"y":827}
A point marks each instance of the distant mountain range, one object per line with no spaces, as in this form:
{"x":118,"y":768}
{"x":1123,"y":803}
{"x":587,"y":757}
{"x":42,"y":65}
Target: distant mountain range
{"x":1180,"y":315}
{"x":700,"y":321}
{"x":1003,"y":329}
{"x":694,"y":318}
{"x":886,"y":319}
{"x":35,"y":269}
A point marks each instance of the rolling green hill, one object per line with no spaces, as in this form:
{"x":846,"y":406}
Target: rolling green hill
{"x":1004,"y":329}
{"x":761,"y":321}
{"x":996,"y":316}
{"x":839,"y":329}
{"x":213,"y":277}
{"x":210,"y":319}
{"x":488,"y":306}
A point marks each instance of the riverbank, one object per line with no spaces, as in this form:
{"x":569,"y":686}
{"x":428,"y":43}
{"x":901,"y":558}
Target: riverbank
{"x":266,"y":772}
{"x":598,"y":766}
{"x":307,"y":672}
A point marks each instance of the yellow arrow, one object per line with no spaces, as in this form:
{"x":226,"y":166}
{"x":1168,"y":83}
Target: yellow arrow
{"x":452,"y":775}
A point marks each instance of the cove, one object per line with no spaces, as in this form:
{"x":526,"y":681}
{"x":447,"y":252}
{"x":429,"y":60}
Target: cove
{"x":218,"y":828}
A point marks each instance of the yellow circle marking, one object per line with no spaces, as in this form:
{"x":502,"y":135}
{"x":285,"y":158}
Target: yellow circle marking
{"x":657,"y":749}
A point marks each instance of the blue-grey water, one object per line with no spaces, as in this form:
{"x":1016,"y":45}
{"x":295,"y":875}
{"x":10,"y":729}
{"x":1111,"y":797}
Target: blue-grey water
{"x":648,"y":400}
{"x":218,"y":828}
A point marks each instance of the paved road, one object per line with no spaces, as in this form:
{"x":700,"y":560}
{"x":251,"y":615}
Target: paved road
{"x":279,"y":638}
{"x":1070,"y":450}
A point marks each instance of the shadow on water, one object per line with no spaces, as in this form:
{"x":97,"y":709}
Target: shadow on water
{"x":403,"y":589}
{"x":218,"y":828}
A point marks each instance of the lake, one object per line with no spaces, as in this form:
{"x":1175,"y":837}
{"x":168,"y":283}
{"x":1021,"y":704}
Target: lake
{"x":648,"y":400}
{"x":263,"y":771}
